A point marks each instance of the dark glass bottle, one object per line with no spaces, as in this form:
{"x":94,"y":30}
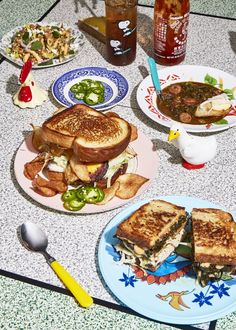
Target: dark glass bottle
{"x":121,"y":34}
{"x":171,"y":19}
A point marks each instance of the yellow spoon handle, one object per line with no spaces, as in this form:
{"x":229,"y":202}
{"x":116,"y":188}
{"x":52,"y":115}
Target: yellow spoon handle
{"x":79,"y":293}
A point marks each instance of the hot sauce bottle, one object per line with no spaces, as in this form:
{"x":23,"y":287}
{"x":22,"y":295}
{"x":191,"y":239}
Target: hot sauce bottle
{"x":170,"y":31}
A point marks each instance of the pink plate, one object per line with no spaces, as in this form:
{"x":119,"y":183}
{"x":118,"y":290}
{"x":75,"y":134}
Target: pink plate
{"x":146,"y":165}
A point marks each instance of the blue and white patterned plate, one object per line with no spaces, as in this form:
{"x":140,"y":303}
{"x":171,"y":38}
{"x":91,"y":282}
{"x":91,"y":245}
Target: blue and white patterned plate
{"x":116,"y":86}
{"x":170,"y":294}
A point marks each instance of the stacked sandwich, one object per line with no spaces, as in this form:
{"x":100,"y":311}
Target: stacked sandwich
{"x":153,"y":232}
{"x":80,"y":145}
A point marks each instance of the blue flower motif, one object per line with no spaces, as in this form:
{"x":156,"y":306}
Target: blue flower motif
{"x":220,"y":290}
{"x":202,"y":299}
{"x":129,"y":280}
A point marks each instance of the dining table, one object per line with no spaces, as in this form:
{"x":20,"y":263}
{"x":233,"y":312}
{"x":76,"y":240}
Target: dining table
{"x":31,"y":295}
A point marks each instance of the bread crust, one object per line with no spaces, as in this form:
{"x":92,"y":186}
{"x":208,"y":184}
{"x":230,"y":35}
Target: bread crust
{"x":150,"y":222}
{"x":100,"y":154}
{"x":62,"y":140}
{"x":214,"y":236}
{"x":93,"y":136}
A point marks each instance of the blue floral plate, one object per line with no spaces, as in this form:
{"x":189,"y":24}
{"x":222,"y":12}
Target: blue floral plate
{"x":116,"y":86}
{"x":171,"y":294}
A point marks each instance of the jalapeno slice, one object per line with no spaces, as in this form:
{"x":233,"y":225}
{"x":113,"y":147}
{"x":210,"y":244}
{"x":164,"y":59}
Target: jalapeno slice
{"x":79,"y":95}
{"x":92,"y":92}
{"x":69,"y":195}
{"x":91,"y":98}
{"x":74,"y":88}
{"x":90,"y":195}
{"x":74,"y":205}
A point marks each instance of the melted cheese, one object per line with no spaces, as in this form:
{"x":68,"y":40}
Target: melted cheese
{"x":130,"y":257}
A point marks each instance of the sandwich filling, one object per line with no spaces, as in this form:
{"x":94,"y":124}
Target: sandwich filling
{"x":152,"y":258}
{"x":96,"y":172}
{"x":206,"y":272}
{"x":214,"y":244}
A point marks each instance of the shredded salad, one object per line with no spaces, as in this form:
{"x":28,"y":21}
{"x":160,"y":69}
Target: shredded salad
{"x":41,"y":43}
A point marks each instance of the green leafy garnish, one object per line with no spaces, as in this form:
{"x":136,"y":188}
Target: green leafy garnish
{"x":184,"y":251}
{"x":226,"y":277}
{"x":25,"y":37}
{"x":221,"y":122}
{"x":210,"y":80}
{"x":229,"y":93}
{"x":50,"y":62}
{"x":36,"y":45}
{"x":56,"y":34}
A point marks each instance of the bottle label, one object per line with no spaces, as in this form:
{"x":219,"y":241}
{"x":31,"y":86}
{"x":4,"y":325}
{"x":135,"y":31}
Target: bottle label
{"x":170,"y":36}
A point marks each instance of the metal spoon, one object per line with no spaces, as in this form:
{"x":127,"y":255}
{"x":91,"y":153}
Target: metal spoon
{"x":34,"y":239}
{"x":155,"y":77}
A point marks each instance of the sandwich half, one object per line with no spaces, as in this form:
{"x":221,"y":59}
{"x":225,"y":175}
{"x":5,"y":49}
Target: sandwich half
{"x":214,"y":244}
{"x":151,"y":234}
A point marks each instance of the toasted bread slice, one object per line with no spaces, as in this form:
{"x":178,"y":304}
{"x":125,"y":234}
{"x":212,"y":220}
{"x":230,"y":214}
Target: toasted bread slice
{"x":214,"y":236}
{"x":152,"y":224}
{"x":93,"y":136}
{"x":218,"y":105}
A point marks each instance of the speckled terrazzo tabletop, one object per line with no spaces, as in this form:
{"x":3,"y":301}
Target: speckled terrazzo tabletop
{"x":28,"y":306}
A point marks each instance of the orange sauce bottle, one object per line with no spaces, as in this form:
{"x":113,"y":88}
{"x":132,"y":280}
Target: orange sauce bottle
{"x":171,"y":19}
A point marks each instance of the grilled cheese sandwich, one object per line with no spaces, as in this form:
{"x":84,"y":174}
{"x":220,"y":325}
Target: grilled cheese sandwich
{"x":151,"y":234}
{"x":93,"y":136}
{"x":214,"y":243}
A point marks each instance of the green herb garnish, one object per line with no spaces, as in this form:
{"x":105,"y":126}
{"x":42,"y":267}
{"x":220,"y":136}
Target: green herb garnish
{"x":56,"y":34}
{"x":50,"y":62}
{"x":36,"y":45}
{"x":221,"y":122}
{"x":229,"y":93}
{"x":210,"y":80}
{"x":25,"y":37}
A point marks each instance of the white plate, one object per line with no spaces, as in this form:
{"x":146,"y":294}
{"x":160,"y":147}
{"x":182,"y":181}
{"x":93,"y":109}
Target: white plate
{"x":146,"y":95}
{"x":116,"y":86}
{"x":180,"y":300}
{"x":145,"y":164}
{"x":75,"y":45}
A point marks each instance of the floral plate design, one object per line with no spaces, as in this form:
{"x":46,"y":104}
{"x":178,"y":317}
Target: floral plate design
{"x":116,"y":86}
{"x":170,"y":294}
{"x":146,"y":95}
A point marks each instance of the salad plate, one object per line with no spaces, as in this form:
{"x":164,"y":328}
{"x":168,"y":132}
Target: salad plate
{"x":47,"y":44}
{"x":146,"y":95}
{"x":145,"y":164}
{"x":171,"y":293}
{"x":116,"y":86}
